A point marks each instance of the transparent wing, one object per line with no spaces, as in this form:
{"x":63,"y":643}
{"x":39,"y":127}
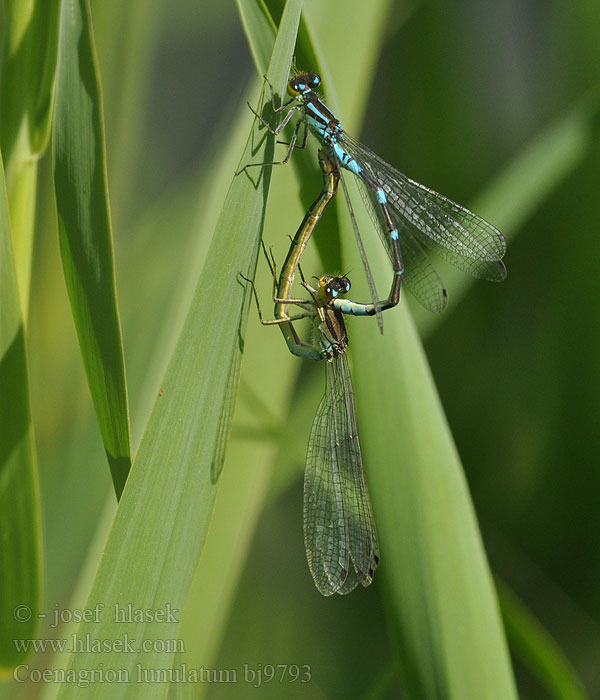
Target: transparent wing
{"x":420,"y":274}
{"x":339,"y":529}
{"x":361,"y":250}
{"x":457,"y":234}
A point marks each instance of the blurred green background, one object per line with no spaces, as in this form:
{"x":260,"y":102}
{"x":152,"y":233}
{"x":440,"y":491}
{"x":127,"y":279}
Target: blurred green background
{"x":460,"y":90}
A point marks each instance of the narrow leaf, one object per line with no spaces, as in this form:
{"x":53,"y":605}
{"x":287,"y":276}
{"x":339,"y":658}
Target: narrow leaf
{"x":441,"y":599}
{"x":150,"y":558}
{"x":260,"y":31}
{"x":27,"y":83}
{"x":440,"y":591}
{"x":537,"y":650}
{"x":85,"y":232}
{"x":20,"y":560}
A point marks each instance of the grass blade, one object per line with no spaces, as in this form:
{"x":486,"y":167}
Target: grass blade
{"x":441,"y":600}
{"x":537,"y":650}
{"x":440,"y":591}
{"x":174,"y":478}
{"x":260,"y":31}
{"x":20,"y":553}
{"x":85,"y":232}
{"x":27,"y":81}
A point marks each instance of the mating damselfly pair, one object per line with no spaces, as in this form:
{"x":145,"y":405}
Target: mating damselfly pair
{"x":339,"y":528}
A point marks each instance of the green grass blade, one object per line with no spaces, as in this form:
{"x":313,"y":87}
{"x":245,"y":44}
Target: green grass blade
{"x":140,"y":25}
{"x":257,"y":23}
{"x":85,"y":232}
{"x":26,"y":86}
{"x":260,"y":31}
{"x":150,"y":556}
{"x":20,"y":561}
{"x":537,"y":650}
{"x":440,"y":591}
{"x":268,"y":376}
{"x":441,"y":600}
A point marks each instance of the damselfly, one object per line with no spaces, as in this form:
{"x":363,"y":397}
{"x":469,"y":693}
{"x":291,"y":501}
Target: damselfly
{"x":339,"y":528}
{"x":409,"y":216}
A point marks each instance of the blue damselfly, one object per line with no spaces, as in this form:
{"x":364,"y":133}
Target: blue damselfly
{"x":409,"y":216}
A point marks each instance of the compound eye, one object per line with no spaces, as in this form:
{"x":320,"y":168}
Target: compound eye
{"x":314,"y":80}
{"x":294,"y":88}
{"x":346,"y":283}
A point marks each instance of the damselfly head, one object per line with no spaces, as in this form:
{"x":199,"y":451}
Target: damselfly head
{"x":303,"y":83}
{"x":331,"y":287}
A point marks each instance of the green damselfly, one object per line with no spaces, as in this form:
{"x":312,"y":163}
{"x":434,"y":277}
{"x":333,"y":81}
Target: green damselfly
{"x":339,"y":528}
{"x":409,"y":217}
